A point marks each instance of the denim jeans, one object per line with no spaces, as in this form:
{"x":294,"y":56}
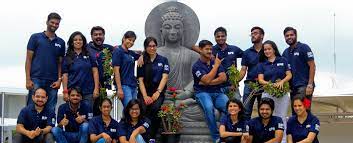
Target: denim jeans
{"x":51,"y":92}
{"x":281,"y":109}
{"x":225,"y":90}
{"x":248,"y":107}
{"x":88,"y":100}
{"x":71,"y":137}
{"x":139,"y":139}
{"x":130,"y":92}
{"x":209,"y":101}
{"x":20,"y":138}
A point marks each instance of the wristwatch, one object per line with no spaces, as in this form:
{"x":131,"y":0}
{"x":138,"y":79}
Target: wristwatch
{"x":310,"y":86}
{"x":160,"y":91}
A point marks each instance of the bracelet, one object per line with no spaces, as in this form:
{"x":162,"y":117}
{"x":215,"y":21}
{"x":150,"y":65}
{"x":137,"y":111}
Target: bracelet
{"x":65,"y":91}
{"x":160,"y":91}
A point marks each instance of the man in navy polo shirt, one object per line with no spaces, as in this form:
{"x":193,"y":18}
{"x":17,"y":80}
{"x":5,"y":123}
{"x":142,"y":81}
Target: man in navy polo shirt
{"x":43,"y":61}
{"x":301,"y":59}
{"x":72,"y":119}
{"x":35,"y":120}
{"x":249,"y":63}
{"x":266,"y":128}
{"x":95,"y":49}
{"x":209,"y":75}
{"x":229,"y":54}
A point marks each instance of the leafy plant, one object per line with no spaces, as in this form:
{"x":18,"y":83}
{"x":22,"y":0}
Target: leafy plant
{"x":234,"y":78}
{"x":171,"y":114}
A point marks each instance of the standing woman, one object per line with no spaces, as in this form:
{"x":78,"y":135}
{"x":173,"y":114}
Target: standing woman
{"x":274,"y":69}
{"x":152,"y":77}
{"x":124,"y":68}
{"x":103,"y":128}
{"x":80,"y":69}
{"x":233,"y":128}
{"x":133,"y":127}
{"x":302,"y":127}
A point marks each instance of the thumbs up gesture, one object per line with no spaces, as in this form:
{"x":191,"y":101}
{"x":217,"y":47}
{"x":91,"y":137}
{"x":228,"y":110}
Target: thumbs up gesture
{"x":79,"y":119}
{"x":64,"y":121}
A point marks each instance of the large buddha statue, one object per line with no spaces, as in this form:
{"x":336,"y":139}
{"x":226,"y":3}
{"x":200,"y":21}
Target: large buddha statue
{"x":180,"y":58}
{"x":176,"y":28}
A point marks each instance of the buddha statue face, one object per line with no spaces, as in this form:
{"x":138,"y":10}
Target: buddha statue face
{"x":172,"y":26}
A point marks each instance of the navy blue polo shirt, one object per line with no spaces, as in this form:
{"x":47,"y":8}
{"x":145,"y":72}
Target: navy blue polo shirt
{"x":274,"y":70}
{"x":46,"y":53}
{"x":126,"y":129}
{"x":250,"y":59}
{"x":240,"y":126}
{"x":229,"y":56}
{"x":31,"y":119}
{"x":98,"y":54}
{"x":126,"y":61}
{"x":297,"y":58}
{"x":301,"y":131}
{"x":97,"y":126}
{"x":73,"y":126}
{"x":199,"y":69}
{"x":262,"y":133}
{"x":159,"y":67}
{"x":80,"y":72}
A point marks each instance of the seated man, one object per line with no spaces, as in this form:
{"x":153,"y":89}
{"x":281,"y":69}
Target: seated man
{"x":72,"y":119}
{"x":208,"y":76}
{"x":266,"y":128}
{"x":35,"y":120}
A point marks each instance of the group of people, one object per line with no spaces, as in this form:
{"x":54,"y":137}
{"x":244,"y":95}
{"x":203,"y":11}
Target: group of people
{"x":84,"y":117}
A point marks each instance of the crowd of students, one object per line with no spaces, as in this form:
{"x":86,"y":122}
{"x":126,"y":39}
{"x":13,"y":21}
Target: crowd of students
{"x":84,"y":118}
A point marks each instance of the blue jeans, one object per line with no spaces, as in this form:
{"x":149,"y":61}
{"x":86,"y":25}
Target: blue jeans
{"x":250,"y":102}
{"x":130,"y":92}
{"x":226,"y":89}
{"x":71,"y":137}
{"x":51,"y":92}
{"x":209,"y":101}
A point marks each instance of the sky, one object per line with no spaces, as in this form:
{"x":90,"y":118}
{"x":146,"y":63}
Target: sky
{"x":313,"y":19}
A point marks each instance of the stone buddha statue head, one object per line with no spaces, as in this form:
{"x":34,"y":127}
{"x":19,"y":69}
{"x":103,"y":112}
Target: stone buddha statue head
{"x":172,"y":29}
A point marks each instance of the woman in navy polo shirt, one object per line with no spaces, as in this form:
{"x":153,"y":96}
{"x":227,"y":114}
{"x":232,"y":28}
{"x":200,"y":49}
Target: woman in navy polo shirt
{"x":233,"y":128}
{"x":133,"y":127}
{"x":274,"y":69}
{"x":152,"y":77}
{"x":303,"y":126}
{"x":124,"y":68}
{"x":80,"y":69}
{"x":103,"y":128}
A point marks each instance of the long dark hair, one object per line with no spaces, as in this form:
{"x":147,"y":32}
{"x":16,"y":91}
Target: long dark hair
{"x":146,"y":56}
{"x":127,"y":118}
{"x":241,"y":106}
{"x":70,"y":54}
{"x":262,"y":56}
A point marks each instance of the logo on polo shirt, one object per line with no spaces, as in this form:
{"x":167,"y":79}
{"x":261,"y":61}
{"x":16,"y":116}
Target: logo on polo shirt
{"x":247,"y":128}
{"x":307,"y":126}
{"x":160,"y":64}
{"x":230,"y":53}
{"x":112,"y":130}
{"x":271,"y":129}
{"x":166,"y":67}
{"x":57,"y":45}
{"x":90,"y":115}
{"x":296,"y":53}
{"x":85,"y":57}
{"x":310,"y":54}
{"x":239,"y":129}
{"x":44,"y":117}
{"x":280,"y":64}
{"x":281,"y":125}
{"x":83,"y":116}
{"x":198,"y":73}
{"x":53,"y":121}
{"x":317,"y":127}
{"x":146,"y":125}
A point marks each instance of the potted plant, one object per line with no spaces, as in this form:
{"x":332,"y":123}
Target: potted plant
{"x":170,"y":115}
